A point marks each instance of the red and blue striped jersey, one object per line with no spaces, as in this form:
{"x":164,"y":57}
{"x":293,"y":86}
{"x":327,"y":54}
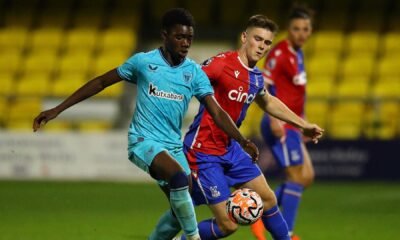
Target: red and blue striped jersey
{"x":235,"y":88}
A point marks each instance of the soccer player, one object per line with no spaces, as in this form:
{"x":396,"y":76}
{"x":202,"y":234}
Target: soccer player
{"x":286,"y":77}
{"x":216,"y":160}
{"x":166,"y":81}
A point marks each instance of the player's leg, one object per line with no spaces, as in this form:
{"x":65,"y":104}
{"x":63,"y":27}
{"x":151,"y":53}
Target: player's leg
{"x":272,"y":217}
{"x":298,"y":178}
{"x":166,"y":168}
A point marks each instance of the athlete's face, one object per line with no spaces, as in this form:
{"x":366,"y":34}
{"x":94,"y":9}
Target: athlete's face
{"x":256,"y":43}
{"x":177,"y":40}
{"x":299,"y":31}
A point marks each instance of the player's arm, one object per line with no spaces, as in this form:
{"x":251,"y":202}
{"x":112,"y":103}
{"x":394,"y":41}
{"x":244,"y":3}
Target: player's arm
{"x":224,"y":122}
{"x":276,"y":108}
{"x":91,"y":88}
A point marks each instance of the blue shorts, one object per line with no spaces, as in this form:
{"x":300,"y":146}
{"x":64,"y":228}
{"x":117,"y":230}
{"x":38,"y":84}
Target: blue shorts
{"x":212,"y":184}
{"x":142,"y":154}
{"x":288,"y":153}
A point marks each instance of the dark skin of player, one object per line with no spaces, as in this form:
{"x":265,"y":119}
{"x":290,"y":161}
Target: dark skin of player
{"x":177,"y":41}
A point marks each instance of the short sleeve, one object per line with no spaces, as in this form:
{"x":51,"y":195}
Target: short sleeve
{"x":129,"y":69}
{"x":201,"y":85}
{"x":212,"y":68}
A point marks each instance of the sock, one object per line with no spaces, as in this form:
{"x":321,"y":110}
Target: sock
{"x":278,"y":193}
{"x":275,"y":224}
{"x":258,"y":230}
{"x":182,"y":205}
{"x":291,"y":196}
{"x":167,"y":227}
{"x":209,"y":230}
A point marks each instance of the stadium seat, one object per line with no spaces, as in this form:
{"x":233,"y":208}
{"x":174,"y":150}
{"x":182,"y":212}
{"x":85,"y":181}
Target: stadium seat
{"x":317,"y":112}
{"x":353,"y":88}
{"x":357,"y":66}
{"x":94,"y":126}
{"x":386,"y":89}
{"x":322,"y":64}
{"x":24,"y":109}
{"x":75,"y":62}
{"x":328,"y":41}
{"x":45,"y":38}
{"x":116,"y":39}
{"x":321,"y":87}
{"x":58,"y":126}
{"x":81,"y":39}
{"x":3,"y":110}
{"x":13,"y":38}
{"x":43,"y":62}
{"x":382,"y":120}
{"x":66,"y":84}
{"x":391,"y":44}
{"x":20,"y":125}
{"x":389,"y":67}
{"x":362,"y":42}
{"x":33,"y":85}
{"x":7,"y":84}
{"x":10,"y":61}
{"x":109,"y":60}
{"x":251,"y":125}
{"x":346,"y":120}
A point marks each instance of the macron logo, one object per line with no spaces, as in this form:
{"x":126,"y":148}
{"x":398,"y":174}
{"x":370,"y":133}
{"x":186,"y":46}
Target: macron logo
{"x":237,"y":73}
{"x":166,"y":95}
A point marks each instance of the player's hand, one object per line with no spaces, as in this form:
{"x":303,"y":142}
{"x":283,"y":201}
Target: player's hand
{"x":313,"y":131}
{"x":43,"y":118}
{"x":251,"y":149}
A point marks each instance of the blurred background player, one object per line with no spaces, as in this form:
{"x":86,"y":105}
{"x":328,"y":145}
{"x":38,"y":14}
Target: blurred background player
{"x":286,"y":78}
{"x":166,"y":81}
{"x":216,"y":160}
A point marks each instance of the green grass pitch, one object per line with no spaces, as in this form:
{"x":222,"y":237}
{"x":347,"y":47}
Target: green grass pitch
{"x":121,"y":211}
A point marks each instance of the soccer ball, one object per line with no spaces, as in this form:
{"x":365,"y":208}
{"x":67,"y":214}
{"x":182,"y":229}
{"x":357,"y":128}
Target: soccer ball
{"x":244,"y":206}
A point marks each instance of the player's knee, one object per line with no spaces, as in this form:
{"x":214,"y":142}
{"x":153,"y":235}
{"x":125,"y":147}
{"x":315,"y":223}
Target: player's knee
{"x":269,"y":199}
{"x":308,"y":179}
{"x":178,"y":180}
{"x":227,"y":226}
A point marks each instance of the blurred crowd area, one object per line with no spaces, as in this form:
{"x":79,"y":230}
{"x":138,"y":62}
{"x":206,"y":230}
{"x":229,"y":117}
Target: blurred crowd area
{"x":49,"y":48}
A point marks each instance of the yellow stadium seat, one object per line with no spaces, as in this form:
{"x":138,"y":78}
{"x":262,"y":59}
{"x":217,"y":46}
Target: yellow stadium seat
{"x":57,"y":126}
{"x":109,"y":60}
{"x":66,"y":84}
{"x":353,"y":88}
{"x":320,"y":88}
{"x":382,"y":120}
{"x":317,"y":112}
{"x":24,"y":109}
{"x":366,"y":42}
{"x":391,"y":43}
{"x":10,"y":61}
{"x":94,"y":126}
{"x":81,"y":38}
{"x":389,"y":67}
{"x":7,"y":84}
{"x":328,"y":41}
{"x":47,"y":38}
{"x":75,"y":62}
{"x":346,"y":120}
{"x":13,"y":38}
{"x":40,"y":62}
{"x":357,"y":67}
{"x":251,"y":125}
{"x":3,"y":109}
{"x":386,"y":89}
{"x":20,"y":125}
{"x":33,"y":85}
{"x":118,"y":39}
{"x":112,"y":91}
{"x":322,"y":64}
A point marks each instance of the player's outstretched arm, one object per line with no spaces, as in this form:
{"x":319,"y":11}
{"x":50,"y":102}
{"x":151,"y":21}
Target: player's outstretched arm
{"x":276,"y":108}
{"x":224,"y":121}
{"x":91,"y":88}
